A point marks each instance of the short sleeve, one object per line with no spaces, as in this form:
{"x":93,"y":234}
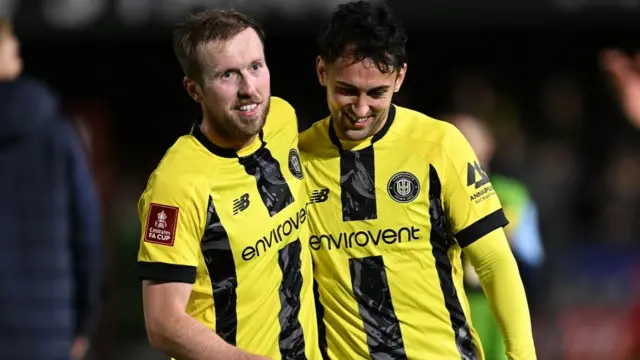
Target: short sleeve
{"x":471,"y":205}
{"x":172,"y":219}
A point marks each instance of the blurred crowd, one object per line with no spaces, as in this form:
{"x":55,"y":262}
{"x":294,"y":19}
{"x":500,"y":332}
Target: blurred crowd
{"x":576,"y":151}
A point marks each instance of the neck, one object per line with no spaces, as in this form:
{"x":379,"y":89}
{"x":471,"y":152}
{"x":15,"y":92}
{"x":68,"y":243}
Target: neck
{"x":222,"y":141}
{"x":381,"y":125}
{"x":6,"y":76}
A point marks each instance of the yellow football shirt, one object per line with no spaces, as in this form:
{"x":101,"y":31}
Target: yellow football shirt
{"x":234,"y":224}
{"x":388,"y":218}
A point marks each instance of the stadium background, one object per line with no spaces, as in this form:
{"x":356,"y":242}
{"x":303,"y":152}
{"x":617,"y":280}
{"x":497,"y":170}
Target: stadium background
{"x":530,"y":68}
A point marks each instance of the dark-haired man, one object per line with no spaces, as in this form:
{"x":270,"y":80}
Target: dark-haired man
{"x":395,"y":197}
{"x":224,"y":256}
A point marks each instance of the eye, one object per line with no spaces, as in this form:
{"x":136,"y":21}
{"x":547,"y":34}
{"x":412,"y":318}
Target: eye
{"x":226,"y":75}
{"x":347,"y":91}
{"x":377,"y":94}
{"x":255,"y":67}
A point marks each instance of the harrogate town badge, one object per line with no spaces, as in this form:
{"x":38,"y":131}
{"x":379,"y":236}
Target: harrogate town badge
{"x":295,"y":166}
{"x":403,"y":187}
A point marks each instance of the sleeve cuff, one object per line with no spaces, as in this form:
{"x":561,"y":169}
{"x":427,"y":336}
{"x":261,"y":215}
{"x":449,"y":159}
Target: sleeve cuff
{"x":482,"y":227}
{"x":165,"y":272}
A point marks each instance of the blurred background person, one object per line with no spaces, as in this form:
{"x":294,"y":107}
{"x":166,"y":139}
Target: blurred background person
{"x":49,"y":218}
{"x":624,"y":73}
{"x":522,"y":232}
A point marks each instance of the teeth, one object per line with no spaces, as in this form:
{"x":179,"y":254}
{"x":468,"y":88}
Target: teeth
{"x":360,"y":120}
{"x":248,"y":107}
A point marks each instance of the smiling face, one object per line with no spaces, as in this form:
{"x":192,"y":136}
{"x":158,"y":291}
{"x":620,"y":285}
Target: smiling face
{"x":234,"y":89}
{"x":359,"y":95}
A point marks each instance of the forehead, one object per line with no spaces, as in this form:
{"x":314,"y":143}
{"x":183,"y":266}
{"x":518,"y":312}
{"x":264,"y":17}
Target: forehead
{"x":363,"y":74}
{"x":240,"y":50}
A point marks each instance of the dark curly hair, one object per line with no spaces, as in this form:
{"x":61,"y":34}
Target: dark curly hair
{"x":361,"y":30}
{"x":204,"y":27}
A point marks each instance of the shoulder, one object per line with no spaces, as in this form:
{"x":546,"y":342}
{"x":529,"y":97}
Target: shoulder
{"x":32,"y":87}
{"x":281,"y":116}
{"x":315,"y":136}
{"x":281,"y":106}
{"x":425,"y":130}
{"x":27,"y":103}
{"x":37,"y":93}
{"x":179,"y":172}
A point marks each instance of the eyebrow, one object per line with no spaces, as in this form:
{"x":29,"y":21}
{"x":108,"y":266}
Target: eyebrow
{"x":375,"y":89}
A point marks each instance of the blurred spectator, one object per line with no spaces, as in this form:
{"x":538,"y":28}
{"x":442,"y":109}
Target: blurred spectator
{"x":620,"y":197}
{"x":50,"y":221}
{"x":554,"y":159}
{"x":522,"y":233}
{"x":476,"y":95}
{"x":624,"y":72}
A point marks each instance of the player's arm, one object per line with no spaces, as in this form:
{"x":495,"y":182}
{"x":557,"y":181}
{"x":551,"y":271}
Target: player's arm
{"x":476,"y":220}
{"x":174,"y":332}
{"x":497,"y":270}
{"x":168,"y":260}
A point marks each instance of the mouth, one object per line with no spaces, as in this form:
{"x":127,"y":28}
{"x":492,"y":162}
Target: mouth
{"x":359,"y":123}
{"x":248,"y":109}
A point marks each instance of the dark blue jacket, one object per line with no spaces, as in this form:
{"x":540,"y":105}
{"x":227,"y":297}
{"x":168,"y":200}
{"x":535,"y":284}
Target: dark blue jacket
{"x":50,"y":236}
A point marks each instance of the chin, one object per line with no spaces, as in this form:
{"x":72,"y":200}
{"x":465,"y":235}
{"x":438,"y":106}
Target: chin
{"x":356,"y":135}
{"x":253,"y":126}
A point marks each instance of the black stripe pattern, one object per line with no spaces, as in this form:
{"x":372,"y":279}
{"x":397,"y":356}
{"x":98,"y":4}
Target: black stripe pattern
{"x":358,"y":184}
{"x":357,"y":175}
{"x":440,"y":244}
{"x":482,"y":227}
{"x":272,"y":186}
{"x":164,"y":272}
{"x":291,"y":334}
{"x":322,"y":329}
{"x":371,"y":291}
{"x":218,"y":257}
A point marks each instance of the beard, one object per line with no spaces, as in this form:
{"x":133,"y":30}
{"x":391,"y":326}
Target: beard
{"x":237,"y":128}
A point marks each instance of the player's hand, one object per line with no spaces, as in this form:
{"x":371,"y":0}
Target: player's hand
{"x":79,"y":348}
{"x":625,"y":74}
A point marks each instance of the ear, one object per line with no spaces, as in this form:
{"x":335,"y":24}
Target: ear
{"x":193,"y":89}
{"x":321,"y":71}
{"x":400,"y":78}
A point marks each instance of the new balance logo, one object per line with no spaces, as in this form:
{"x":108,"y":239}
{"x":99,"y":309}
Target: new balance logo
{"x":472,"y":170}
{"x":241,"y":204}
{"x":319,"y":196}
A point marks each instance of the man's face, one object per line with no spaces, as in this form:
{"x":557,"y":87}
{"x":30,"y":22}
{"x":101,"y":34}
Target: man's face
{"x":359,"y":95}
{"x":235,"y":89}
{"x":10,"y":61}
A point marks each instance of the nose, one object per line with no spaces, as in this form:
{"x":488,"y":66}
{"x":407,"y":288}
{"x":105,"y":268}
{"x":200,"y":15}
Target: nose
{"x":361,"y":108}
{"x":247,"y":87}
